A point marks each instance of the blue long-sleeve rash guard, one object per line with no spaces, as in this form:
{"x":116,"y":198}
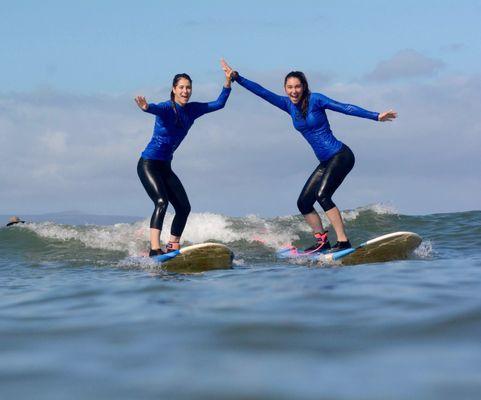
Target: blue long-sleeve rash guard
{"x":315,"y":127}
{"x":168,"y":134}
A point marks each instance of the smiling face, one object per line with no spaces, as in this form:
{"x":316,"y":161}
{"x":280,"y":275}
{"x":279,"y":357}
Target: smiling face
{"x":294,"y":89}
{"x":182,"y":91}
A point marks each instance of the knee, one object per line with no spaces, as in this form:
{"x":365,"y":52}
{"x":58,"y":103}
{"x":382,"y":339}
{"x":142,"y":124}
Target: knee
{"x":161,"y":204}
{"x":326,"y":203}
{"x":305,"y":207}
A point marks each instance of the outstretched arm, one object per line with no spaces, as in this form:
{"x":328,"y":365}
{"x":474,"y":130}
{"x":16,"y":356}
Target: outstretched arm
{"x":156,"y":109}
{"x":274,"y":99}
{"x":351,"y":109}
{"x":348,"y":109}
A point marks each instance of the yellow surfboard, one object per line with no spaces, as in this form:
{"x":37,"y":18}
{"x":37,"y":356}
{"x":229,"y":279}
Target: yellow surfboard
{"x":393,"y":246}
{"x":198,"y":258}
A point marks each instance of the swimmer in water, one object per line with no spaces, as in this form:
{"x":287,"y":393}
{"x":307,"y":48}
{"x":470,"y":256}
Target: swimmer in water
{"x":14,"y":221}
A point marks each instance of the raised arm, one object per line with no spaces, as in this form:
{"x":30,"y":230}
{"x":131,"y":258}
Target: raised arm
{"x":274,"y":99}
{"x":198,"y":109}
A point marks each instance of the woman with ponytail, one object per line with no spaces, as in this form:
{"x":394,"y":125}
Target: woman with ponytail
{"x":308,"y":113}
{"x":173,"y":120}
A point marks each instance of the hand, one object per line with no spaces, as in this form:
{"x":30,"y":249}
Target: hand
{"x":141,"y":102}
{"x":387,"y":116}
{"x":227,"y":69}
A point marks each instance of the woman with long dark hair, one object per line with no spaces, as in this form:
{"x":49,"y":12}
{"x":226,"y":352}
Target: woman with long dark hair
{"x":173,"y":119}
{"x":308,"y":113}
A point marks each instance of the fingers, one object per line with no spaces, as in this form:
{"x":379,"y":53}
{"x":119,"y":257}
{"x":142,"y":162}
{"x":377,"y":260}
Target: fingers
{"x":388,"y":116}
{"x":141,"y":102}
{"x":224,"y":65}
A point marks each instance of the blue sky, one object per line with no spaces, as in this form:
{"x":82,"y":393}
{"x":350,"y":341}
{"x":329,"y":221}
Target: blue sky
{"x":70,"y":69}
{"x":115,"y":46}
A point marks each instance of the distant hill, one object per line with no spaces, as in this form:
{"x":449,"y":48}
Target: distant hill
{"x":73,"y":218}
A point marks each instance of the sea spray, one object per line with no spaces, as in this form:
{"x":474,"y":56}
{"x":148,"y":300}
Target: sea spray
{"x":251,"y":234}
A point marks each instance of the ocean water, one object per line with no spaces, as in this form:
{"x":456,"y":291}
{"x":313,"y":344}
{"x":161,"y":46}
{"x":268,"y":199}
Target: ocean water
{"x":82,"y":318}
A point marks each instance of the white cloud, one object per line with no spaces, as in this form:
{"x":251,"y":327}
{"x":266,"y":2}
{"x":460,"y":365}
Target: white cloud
{"x":62,"y":151}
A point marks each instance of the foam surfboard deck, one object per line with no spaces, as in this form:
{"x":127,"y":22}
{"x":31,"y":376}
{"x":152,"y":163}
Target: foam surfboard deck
{"x":197,"y":258}
{"x":393,"y":246}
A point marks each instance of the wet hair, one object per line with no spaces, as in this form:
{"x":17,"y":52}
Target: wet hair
{"x":175,"y":82}
{"x":304,"y":101}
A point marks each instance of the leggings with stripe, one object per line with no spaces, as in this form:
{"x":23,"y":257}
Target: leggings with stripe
{"x":164,"y":187}
{"x":324,"y":181}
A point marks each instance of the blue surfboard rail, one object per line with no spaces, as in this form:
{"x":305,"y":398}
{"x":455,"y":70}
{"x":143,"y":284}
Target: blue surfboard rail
{"x":166,"y":257}
{"x":292,"y":252}
{"x":343,"y":253}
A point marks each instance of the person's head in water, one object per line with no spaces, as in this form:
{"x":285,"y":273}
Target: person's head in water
{"x":297,"y":89}
{"x":181,"y":89}
{"x":14,"y":221}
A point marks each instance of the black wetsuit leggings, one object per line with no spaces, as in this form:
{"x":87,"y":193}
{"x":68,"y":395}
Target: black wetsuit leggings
{"x":163,"y":186}
{"x":324,"y":181}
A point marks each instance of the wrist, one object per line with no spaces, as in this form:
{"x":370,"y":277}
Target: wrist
{"x":234,"y":76}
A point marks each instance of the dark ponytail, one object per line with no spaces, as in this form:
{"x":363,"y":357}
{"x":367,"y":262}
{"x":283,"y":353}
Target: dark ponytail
{"x":304,"y":101}
{"x":175,"y":81}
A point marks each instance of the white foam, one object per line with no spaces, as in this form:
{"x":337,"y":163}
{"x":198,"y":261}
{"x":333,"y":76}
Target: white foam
{"x":121,"y":237}
{"x":201,"y":227}
{"x":424,"y":250}
{"x":205,"y":226}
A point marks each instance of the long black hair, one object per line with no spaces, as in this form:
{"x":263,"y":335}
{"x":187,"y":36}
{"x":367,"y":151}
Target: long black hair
{"x":304,"y":101}
{"x":175,"y":81}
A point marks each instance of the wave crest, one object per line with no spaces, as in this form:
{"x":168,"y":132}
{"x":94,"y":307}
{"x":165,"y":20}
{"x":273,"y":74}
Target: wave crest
{"x":133,"y":238}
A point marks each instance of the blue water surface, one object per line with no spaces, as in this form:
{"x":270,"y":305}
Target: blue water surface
{"x":263,"y":330}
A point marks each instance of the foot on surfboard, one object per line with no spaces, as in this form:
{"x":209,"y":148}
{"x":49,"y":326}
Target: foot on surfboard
{"x":172,"y":246}
{"x":341,"y":246}
{"x":156,"y":252}
{"x":321,"y":245}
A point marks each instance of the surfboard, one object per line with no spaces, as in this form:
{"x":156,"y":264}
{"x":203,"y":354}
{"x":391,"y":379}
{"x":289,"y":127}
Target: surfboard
{"x":197,"y":258}
{"x":390,"y":247}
